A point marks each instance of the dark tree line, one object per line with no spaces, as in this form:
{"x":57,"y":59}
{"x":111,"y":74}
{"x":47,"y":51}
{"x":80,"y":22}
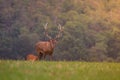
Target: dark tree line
{"x":91,"y":28}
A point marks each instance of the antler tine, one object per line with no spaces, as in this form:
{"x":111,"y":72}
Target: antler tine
{"x":59,"y":27}
{"x":59,"y":33}
{"x":45,"y":27}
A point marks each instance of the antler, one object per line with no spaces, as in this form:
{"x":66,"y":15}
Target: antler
{"x":60,"y":32}
{"x":45,"y":27}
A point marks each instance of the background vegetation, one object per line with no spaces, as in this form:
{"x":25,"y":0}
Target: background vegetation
{"x":91,"y":33}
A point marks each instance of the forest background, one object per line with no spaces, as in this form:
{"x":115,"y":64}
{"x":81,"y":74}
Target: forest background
{"x":91,"y":28}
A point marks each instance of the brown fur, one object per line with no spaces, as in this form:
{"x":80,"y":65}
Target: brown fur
{"x":31,"y":57}
{"x":44,"y":48}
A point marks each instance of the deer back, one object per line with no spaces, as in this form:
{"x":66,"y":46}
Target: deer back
{"x":32,"y":57}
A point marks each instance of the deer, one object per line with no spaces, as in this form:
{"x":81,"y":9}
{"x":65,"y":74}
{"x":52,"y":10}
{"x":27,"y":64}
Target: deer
{"x":44,"y":48}
{"x":32,"y":57}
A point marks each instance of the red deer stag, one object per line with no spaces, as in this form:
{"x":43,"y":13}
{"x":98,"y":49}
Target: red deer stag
{"x":44,"y":48}
{"x":32,"y":57}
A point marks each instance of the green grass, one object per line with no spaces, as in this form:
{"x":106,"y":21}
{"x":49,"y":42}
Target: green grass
{"x":46,"y":70}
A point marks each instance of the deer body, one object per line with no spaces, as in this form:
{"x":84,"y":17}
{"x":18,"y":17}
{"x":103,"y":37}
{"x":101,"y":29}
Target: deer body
{"x":32,"y":57}
{"x":44,"y":48}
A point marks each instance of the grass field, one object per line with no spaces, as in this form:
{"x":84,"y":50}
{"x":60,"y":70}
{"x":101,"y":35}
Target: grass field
{"x":46,"y":70}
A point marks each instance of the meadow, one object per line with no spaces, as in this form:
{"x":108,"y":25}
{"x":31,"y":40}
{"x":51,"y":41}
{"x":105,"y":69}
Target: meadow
{"x":58,"y":70}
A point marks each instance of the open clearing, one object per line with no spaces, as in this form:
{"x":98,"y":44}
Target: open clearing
{"x":55,"y":70}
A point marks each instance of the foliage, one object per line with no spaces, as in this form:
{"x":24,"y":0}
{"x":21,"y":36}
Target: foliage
{"x":91,"y":28}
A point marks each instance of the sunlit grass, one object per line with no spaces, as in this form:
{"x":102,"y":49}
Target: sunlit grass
{"x":46,"y":70}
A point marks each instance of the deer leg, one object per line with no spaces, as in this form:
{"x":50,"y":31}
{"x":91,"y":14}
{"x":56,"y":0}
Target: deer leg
{"x":44,"y":56}
{"x":51,"y":57}
{"x":40,"y":55}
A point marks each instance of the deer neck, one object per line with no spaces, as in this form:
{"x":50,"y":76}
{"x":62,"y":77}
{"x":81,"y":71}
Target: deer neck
{"x":52,"y":44}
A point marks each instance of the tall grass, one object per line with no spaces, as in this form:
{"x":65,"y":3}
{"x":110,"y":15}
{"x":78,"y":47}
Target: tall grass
{"x":46,"y":70}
